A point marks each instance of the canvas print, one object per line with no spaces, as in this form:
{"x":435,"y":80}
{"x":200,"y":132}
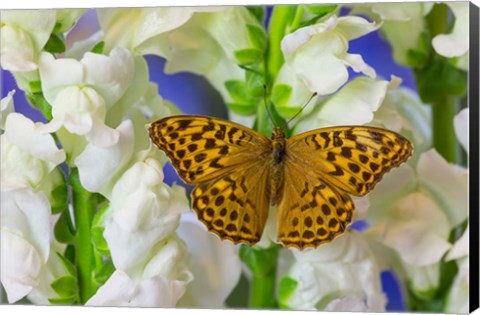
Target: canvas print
{"x":293,"y":157}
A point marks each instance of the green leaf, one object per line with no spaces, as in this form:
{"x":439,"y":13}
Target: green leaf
{"x":281,"y":94}
{"x":440,"y":79}
{"x":243,"y":109}
{"x":102,"y":275}
{"x":237,"y":90}
{"x":98,"y":48}
{"x":99,"y":242}
{"x":321,"y":9}
{"x":257,"y":37}
{"x":67,"y":264}
{"x":258,"y":12}
{"x":59,"y":198}
{"x":419,"y":57}
{"x":248,"y":56}
{"x":64,"y":301}
{"x":35,"y":86}
{"x":255,"y":85}
{"x":57,"y":28}
{"x":286,"y":288}
{"x":62,"y":231}
{"x":65,"y":286}
{"x":39,"y":102}
{"x":55,"y":44}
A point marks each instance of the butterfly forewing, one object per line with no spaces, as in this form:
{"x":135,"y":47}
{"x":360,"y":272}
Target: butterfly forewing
{"x":352,"y":158}
{"x":230,"y":165}
{"x":205,"y":148}
{"x":235,"y":206}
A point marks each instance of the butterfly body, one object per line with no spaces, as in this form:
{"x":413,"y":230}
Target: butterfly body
{"x":239,"y":173}
{"x":277,"y":165}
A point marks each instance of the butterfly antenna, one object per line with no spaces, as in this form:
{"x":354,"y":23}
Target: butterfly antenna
{"x":301,"y":110}
{"x":266,"y":106}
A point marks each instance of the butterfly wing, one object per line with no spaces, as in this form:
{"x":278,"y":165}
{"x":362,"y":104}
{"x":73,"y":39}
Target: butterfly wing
{"x":352,"y":158}
{"x":324,"y":166}
{"x":312,"y":211}
{"x":230,"y":165}
{"x":203,"y":148}
{"x":235,"y":206}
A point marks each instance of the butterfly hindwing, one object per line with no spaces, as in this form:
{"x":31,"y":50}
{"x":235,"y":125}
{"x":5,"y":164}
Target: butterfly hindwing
{"x":235,"y":206}
{"x":352,"y":158}
{"x":311,"y":212}
{"x":203,"y":148}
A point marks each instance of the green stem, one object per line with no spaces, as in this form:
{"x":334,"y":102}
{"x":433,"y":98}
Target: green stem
{"x":263,"y":265}
{"x":84,"y":205}
{"x":281,"y":17}
{"x":444,"y":139}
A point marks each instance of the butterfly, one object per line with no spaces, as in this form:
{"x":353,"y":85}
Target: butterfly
{"x":239,"y":173}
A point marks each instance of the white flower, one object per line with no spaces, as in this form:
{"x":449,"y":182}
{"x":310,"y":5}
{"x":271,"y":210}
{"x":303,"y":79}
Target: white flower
{"x":81,"y":92}
{"x":121,"y":290}
{"x":197,"y":40}
{"x":354,"y":104}
{"x":457,"y":301}
{"x":414,"y":212}
{"x":24,"y":33}
{"x":396,"y":19}
{"x":28,"y":155}
{"x":53,"y":269}
{"x":98,"y":166}
{"x":25,"y":236}
{"x":160,"y":283}
{"x":144,"y":211}
{"x":318,"y":53}
{"x":67,"y":18}
{"x":403,"y":112}
{"x":343,"y":269}
{"x":215,"y":265}
{"x":456,"y":43}
{"x":6,"y":107}
{"x":461,"y":124}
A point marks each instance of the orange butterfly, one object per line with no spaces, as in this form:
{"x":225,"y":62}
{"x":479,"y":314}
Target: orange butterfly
{"x":239,"y":173}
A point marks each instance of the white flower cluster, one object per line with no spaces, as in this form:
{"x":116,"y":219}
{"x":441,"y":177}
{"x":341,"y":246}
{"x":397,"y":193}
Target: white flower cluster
{"x":162,"y":256}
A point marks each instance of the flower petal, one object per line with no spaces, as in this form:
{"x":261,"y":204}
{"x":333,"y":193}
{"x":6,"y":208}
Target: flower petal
{"x":215,"y":264}
{"x":456,"y":43}
{"x":121,"y":290}
{"x":20,"y":264}
{"x":418,"y":230}
{"x":461,"y":125}
{"x":6,"y":107}
{"x":447,"y":183}
{"x":98,"y":165}
{"x":354,"y":104}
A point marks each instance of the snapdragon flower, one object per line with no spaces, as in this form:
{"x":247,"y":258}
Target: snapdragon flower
{"x":318,"y":56}
{"x":456,"y":43}
{"x":24,"y":33}
{"x":419,"y":237}
{"x":397,"y":18}
{"x":81,"y":92}
{"x":28,"y":161}
{"x":215,"y":265}
{"x":144,"y":211}
{"x":197,"y":40}
{"x":162,"y":283}
{"x":344,"y":270}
